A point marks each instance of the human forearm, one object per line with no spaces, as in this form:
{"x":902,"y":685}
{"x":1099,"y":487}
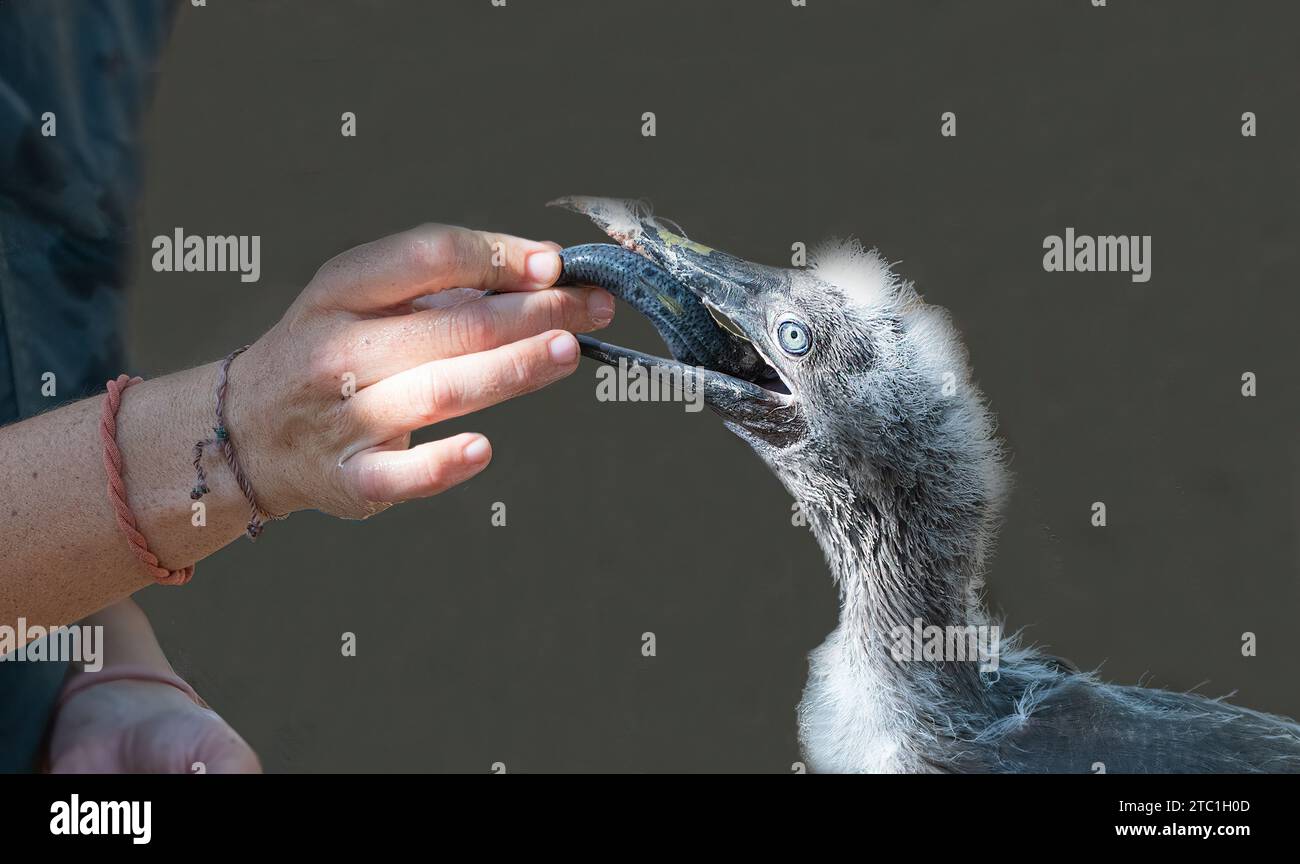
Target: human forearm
{"x":64,"y":555}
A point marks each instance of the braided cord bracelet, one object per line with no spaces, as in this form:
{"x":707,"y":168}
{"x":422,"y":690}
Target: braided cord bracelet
{"x":258,"y":517}
{"x":117,"y":488}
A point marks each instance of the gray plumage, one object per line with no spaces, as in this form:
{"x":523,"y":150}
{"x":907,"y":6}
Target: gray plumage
{"x":888,"y":446}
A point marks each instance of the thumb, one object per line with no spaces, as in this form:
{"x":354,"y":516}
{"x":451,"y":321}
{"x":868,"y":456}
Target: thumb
{"x":222,"y":751}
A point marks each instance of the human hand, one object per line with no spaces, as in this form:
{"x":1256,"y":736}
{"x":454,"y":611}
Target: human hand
{"x":132,"y":724}
{"x":321,"y":408}
{"x":144,"y":727}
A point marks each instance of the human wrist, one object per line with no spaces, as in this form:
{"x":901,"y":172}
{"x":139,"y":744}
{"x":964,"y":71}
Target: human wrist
{"x":130,"y":654}
{"x":158,"y":422}
{"x":128,"y":638}
{"x":249,"y":413}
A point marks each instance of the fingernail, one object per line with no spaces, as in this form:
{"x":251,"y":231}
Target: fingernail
{"x":600,"y":306}
{"x":563,"y":348}
{"x":543,"y":267}
{"x":477,"y":450}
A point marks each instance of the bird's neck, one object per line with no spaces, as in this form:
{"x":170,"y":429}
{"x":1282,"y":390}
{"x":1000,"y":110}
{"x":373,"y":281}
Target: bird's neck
{"x":907,"y":553}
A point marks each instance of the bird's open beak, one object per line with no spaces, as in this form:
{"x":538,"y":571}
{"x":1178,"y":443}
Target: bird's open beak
{"x":704,"y":303}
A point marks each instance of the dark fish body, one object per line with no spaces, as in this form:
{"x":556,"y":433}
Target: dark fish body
{"x":690,"y":332}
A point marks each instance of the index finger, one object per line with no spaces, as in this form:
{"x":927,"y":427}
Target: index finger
{"x":432,"y":258}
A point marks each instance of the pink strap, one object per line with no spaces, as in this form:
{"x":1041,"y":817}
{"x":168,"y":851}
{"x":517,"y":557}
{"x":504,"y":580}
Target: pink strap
{"x":117,"y":489}
{"x":127,"y":673}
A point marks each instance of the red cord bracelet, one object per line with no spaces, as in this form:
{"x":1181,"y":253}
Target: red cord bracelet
{"x":117,"y":489}
{"x":135,"y":672}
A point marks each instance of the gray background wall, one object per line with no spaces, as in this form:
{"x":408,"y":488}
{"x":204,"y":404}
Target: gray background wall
{"x":522,"y":644}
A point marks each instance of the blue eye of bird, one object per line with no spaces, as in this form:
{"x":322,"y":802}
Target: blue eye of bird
{"x":793,"y":337}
